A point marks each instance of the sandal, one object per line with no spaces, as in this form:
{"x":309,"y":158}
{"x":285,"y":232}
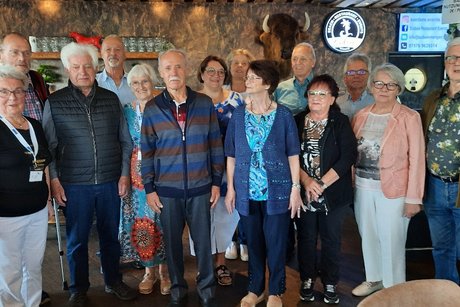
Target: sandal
{"x":224,"y":277}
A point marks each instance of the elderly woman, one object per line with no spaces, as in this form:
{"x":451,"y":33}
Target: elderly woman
{"x":262,"y":152}
{"x":327,"y":153}
{"x":212,"y":73}
{"x":238,"y":60}
{"x":24,"y":193}
{"x":140,"y":228}
{"x":389,"y":181}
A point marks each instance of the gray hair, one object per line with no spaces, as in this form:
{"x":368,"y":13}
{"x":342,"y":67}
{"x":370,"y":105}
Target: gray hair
{"x":452,"y":43}
{"x":357,"y":56}
{"x":141,"y":70}
{"x":239,"y":51}
{"x":17,"y":34}
{"x":391,"y":70}
{"x":308,"y":45}
{"x":73,"y":49}
{"x":178,"y":51}
{"x":10,"y":72}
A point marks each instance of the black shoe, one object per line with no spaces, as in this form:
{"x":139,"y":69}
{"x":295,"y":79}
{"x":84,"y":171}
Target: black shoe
{"x":77,"y":299}
{"x":330,"y":296}
{"x":306,"y":290}
{"x":122,"y":291}
{"x":178,"y":302}
{"x":208,"y":302}
{"x":45,"y":299}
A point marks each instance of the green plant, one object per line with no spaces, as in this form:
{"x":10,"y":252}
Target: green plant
{"x":49,"y":73}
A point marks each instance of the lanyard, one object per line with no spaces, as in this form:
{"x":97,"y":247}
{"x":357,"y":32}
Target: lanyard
{"x":21,"y":139}
{"x":139,"y":125}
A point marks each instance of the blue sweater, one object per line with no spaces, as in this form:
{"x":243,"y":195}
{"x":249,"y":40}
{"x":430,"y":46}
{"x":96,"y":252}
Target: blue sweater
{"x":281,"y":143}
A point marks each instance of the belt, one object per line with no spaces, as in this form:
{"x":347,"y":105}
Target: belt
{"x":446,"y":178}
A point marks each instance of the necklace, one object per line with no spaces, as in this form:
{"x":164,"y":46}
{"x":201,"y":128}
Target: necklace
{"x":266,"y":110}
{"x":18,"y":124}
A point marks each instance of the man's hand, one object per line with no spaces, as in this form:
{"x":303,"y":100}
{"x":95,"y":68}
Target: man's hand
{"x":153,"y":201}
{"x":215,"y":195}
{"x":57,"y":191}
{"x":123,"y":186}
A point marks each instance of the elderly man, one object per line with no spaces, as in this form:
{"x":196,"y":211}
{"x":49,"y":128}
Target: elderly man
{"x":440,"y":117}
{"x":182,"y":167}
{"x":290,"y":93}
{"x":113,"y":77}
{"x":355,"y":74}
{"x":91,"y":147}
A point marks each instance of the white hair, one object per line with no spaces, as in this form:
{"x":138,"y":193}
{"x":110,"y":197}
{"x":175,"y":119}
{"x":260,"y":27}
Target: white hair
{"x":307,"y":45}
{"x":11,"y":72}
{"x":141,"y":70}
{"x":73,"y":49}
{"x":392,"y":71}
{"x":452,"y":43}
{"x":177,"y":51}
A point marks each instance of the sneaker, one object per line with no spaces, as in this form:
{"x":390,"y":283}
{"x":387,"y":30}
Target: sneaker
{"x":244,"y":252}
{"x":45,"y":299}
{"x":77,"y":299}
{"x":330,"y":296}
{"x":367,"y":288}
{"x":231,"y":252}
{"x":146,"y":285}
{"x":306,"y":290}
{"x":122,"y":291}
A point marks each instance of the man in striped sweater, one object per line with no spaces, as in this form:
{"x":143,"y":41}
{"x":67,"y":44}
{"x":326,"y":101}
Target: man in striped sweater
{"x":182,"y":167}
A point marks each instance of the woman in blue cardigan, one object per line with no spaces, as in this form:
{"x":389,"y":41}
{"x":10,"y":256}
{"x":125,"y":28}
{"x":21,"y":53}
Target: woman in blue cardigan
{"x":262,"y":150}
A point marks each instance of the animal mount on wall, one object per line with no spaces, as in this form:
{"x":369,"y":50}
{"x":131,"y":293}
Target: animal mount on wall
{"x":81,"y":39}
{"x":281,"y":32}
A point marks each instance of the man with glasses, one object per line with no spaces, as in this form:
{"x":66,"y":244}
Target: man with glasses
{"x":355,"y":74}
{"x":15,"y":51}
{"x":441,"y":123}
{"x":290,"y":92}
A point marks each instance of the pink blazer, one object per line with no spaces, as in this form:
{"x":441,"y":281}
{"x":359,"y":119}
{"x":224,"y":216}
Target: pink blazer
{"x":402,"y":153}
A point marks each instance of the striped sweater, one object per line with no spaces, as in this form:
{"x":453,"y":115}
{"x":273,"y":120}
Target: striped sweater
{"x":181,"y":164}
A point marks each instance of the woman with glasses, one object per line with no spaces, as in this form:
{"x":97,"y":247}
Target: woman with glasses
{"x":262,"y":152}
{"x":212,"y":74}
{"x":24,"y":193}
{"x":327,"y":153}
{"x":141,"y":237}
{"x":389,"y":179}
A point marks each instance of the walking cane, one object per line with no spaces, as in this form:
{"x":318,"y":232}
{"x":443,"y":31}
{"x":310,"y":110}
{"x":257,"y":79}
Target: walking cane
{"x":61,"y":252}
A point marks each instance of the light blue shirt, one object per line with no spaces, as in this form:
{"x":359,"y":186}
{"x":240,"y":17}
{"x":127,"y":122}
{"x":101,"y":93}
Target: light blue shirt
{"x":350,"y":107}
{"x":290,"y":93}
{"x":123,"y":92}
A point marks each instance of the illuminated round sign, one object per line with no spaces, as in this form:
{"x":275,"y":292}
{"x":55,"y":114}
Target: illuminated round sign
{"x":344,"y":31}
{"x":415,"y":80}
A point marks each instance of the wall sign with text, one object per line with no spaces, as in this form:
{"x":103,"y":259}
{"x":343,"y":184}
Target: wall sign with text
{"x":344,"y":31}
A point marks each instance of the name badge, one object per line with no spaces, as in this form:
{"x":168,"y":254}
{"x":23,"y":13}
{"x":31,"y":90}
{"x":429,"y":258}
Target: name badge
{"x":36,"y":176}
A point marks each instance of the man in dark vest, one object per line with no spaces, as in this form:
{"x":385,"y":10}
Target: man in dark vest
{"x":89,"y":139}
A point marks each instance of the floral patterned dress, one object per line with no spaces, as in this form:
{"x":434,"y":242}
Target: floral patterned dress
{"x":141,"y":236}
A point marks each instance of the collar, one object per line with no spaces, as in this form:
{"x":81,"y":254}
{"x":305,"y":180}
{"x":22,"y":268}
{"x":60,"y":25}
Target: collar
{"x":105,"y":76}
{"x":305,"y":82}
{"x":364,"y":94}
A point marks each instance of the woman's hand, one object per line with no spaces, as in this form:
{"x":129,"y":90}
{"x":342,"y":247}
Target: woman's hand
{"x":230,"y":200}
{"x":411,"y":209}
{"x":295,"y":202}
{"x":313,"y":190}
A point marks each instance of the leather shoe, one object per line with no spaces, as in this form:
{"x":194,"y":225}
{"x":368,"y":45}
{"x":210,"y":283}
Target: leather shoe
{"x":208,"y":302}
{"x":178,"y":302}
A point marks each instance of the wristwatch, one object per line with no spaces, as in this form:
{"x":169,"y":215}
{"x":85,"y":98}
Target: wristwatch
{"x":322,"y":184}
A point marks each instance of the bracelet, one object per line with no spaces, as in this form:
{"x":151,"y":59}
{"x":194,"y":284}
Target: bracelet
{"x":296,"y":185}
{"x":322,"y":184}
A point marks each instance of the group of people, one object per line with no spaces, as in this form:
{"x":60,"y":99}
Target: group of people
{"x":245,"y":149}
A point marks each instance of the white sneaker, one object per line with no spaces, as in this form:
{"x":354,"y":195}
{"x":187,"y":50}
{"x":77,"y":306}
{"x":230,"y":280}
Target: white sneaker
{"x":231,"y":252}
{"x":367,"y":288}
{"x":244,"y":252}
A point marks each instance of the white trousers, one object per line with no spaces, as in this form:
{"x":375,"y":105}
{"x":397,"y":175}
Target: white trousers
{"x":22,"y":247}
{"x":383,"y":230}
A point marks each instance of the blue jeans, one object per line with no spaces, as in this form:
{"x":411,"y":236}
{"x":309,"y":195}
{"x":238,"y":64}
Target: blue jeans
{"x":444,"y":221}
{"x":82,"y":202}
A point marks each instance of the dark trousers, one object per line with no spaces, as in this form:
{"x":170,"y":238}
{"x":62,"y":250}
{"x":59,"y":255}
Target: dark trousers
{"x":266,"y":236}
{"x":195,"y":212}
{"x":82,"y":202}
{"x":329,"y":228}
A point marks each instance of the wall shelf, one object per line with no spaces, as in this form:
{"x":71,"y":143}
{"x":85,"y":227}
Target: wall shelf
{"x":129,"y":55}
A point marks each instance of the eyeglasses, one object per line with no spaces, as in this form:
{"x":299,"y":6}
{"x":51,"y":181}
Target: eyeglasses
{"x":319,"y":93}
{"x":19,"y":92}
{"x":359,"y":72}
{"x":212,"y":72}
{"x":140,"y":83}
{"x":252,"y":78}
{"x":390,"y":86}
{"x":451,"y":59}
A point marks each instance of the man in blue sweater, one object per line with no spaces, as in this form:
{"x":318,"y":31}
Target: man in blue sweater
{"x":182,"y":167}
